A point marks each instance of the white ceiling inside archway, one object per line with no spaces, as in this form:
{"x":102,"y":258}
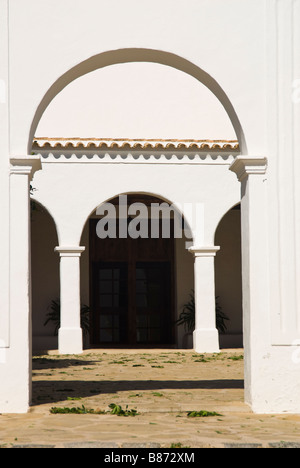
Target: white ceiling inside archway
{"x":136,"y":100}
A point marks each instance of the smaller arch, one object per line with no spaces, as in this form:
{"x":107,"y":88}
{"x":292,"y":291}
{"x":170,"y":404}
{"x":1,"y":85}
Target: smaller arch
{"x":236,"y":206}
{"x":228,"y":276}
{"x":44,"y":274}
{"x":37,"y":205}
{"x":156,"y":198}
{"x":164,"y":264}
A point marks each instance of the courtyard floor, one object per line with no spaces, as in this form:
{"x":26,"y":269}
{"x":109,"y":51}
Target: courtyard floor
{"x":161,"y":386}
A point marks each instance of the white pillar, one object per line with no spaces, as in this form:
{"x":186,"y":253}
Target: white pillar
{"x":70,"y":332}
{"x":4,"y":179}
{"x":206,"y":336}
{"x":255,"y":276}
{"x":15,"y":360}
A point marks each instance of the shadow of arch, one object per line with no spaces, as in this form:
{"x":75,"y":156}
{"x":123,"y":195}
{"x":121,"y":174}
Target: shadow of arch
{"x":119,"y":56}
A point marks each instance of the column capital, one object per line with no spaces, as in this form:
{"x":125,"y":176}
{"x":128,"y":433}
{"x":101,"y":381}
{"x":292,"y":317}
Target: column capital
{"x":25,"y":165}
{"x":243,"y":166}
{"x":67,"y":251}
{"x":204,"y":251}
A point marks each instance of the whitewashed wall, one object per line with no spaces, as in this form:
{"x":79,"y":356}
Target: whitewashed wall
{"x":247,"y":53}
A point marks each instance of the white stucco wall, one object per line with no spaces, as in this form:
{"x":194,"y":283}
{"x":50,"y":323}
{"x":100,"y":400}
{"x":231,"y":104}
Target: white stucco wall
{"x":4,"y":180}
{"x":193,"y":32}
{"x":80,"y":188}
{"x":247,"y":53}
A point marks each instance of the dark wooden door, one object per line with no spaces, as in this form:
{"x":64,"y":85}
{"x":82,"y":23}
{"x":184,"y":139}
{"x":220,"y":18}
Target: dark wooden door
{"x":152,"y":302}
{"x":132,"y":291}
{"x":110,"y":302}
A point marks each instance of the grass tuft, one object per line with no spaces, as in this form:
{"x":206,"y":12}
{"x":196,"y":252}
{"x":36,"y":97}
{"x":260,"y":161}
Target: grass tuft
{"x":78,"y":410}
{"x":118,"y":410}
{"x":202,"y":414}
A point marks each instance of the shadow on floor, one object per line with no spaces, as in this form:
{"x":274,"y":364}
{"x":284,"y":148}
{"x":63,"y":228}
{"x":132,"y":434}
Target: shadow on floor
{"x":55,"y":391}
{"x":47,"y":363}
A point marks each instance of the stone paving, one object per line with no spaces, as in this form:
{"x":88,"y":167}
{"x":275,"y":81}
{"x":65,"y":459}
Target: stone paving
{"x":161,"y":386}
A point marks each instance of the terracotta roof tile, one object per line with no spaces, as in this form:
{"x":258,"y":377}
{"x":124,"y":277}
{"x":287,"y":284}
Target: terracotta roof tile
{"x":138,"y":144}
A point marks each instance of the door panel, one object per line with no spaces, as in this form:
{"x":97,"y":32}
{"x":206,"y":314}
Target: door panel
{"x":153,"y":320}
{"x":110,"y":302}
{"x":131,"y":290}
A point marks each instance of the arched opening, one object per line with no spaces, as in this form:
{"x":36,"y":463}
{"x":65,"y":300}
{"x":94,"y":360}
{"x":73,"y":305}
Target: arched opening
{"x":136,"y":272}
{"x":228,"y":278}
{"x":125,"y":56}
{"x":45,"y":277}
{"x":137,"y":101}
{"x":112,"y":60}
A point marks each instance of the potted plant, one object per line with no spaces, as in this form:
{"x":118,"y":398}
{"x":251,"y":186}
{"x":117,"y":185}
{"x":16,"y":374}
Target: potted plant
{"x":220,"y":318}
{"x":54,"y":316}
{"x":187,"y":318}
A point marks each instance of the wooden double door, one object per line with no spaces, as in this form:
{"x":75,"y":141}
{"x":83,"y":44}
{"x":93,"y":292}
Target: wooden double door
{"x":132,"y":291}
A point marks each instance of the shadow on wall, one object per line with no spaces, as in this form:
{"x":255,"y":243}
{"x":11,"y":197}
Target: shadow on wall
{"x":44,"y":274}
{"x":228,"y":277}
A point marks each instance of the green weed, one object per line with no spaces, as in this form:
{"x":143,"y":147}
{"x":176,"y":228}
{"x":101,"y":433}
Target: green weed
{"x":78,"y":410}
{"x":117,"y":410}
{"x":236,"y":358}
{"x":202,"y":414}
{"x":178,"y":445}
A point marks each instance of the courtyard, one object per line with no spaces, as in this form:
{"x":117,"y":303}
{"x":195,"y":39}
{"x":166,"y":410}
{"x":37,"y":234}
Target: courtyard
{"x":162,"y":398}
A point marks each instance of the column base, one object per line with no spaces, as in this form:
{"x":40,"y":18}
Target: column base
{"x":206,"y":340}
{"x":70,"y":341}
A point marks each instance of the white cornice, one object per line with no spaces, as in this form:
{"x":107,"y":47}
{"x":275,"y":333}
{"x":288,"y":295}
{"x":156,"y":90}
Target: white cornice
{"x":243,"y":166}
{"x":26,"y":165}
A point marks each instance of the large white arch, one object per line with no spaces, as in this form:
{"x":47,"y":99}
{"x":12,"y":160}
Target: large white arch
{"x":119,"y":56}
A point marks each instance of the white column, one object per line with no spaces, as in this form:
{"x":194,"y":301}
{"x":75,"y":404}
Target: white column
{"x":4,"y":179}
{"x":206,"y":336}
{"x":255,"y":276}
{"x":70,"y":332}
{"x":15,"y":365}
